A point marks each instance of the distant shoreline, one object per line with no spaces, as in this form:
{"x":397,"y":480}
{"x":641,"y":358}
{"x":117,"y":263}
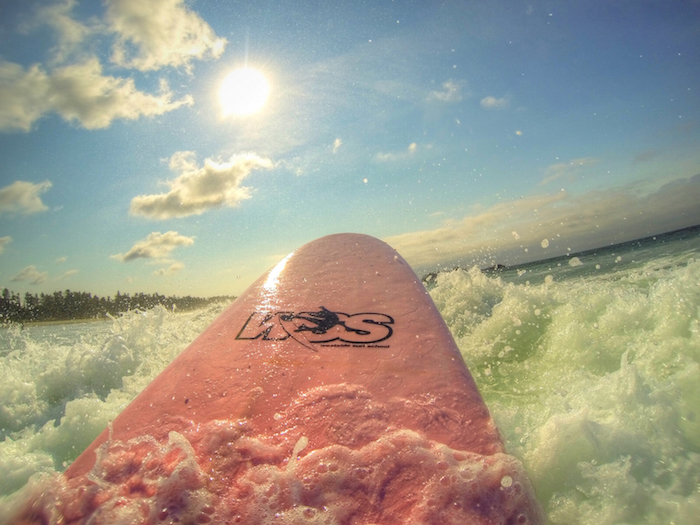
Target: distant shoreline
{"x":86,"y":320}
{"x":71,"y":307}
{"x":59,"y":321}
{"x":13,"y":311}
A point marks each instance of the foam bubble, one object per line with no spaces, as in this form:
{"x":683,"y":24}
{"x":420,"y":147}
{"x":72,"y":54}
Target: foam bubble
{"x":596,"y":391}
{"x":606,"y":370}
{"x":62,"y":384}
{"x":229,"y":472}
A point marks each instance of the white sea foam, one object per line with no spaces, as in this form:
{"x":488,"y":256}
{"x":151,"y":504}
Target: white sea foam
{"x":218,"y":473}
{"x":596,"y":387}
{"x":58,"y":393}
{"x":593,"y":377}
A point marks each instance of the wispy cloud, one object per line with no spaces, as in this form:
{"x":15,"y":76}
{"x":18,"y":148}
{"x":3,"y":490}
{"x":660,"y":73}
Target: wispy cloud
{"x":173,"y":268}
{"x":514,"y":231}
{"x":70,"y":33}
{"x":23,"y":197}
{"x":31,"y":274}
{"x":392,"y":156}
{"x":67,"y":274}
{"x":159,"y":33}
{"x":156,"y":246}
{"x":566,"y":169}
{"x":4,"y":241}
{"x":79,"y":93}
{"x":491,"y":102}
{"x":199,"y":189}
{"x":645,"y":156}
{"x":451,"y":92}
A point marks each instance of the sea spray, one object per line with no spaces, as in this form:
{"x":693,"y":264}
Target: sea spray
{"x":57,"y":395}
{"x":592,"y":372}
{"x":594,"y":383}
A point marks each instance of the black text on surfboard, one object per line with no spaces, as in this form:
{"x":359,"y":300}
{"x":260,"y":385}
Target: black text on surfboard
{"x":319,"y":327}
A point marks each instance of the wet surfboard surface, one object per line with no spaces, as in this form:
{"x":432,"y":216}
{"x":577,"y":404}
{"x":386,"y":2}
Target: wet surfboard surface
{"x":331,"y":391}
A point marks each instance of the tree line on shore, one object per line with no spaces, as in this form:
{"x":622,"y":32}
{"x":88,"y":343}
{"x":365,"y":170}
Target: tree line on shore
{"x":68,"y":305}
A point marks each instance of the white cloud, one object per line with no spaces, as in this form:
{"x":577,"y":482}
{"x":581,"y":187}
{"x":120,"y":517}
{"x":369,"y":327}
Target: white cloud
{"x":82,"y":93}
{"x":156,"y":246}
{"x":4,"y":241}
{"x":145,"y":36}
{"x":62,"y":259}
{"x":23,"y":197}
{"x":70,"y":33}
{"x":566,"y":169}
{"x":494,"y":103}
{"x":31,"y":274}
{"x":451,"y":92}
{"x":173,"y":268}
{"x":23,"y":95}
{"x":294,"y":164}
{"x":78,"y":93}
{"x":198,"y":189}
{"x":157,"y":33}
{"x":336,"y":145}
{"x":394,"y":156}
{"x":67,"y":274}
{"x":512,"y":232}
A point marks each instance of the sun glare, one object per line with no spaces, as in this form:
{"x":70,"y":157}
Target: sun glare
{"x":243,"y":92}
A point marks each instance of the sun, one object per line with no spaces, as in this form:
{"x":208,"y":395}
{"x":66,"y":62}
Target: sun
{"x":243,"y":92}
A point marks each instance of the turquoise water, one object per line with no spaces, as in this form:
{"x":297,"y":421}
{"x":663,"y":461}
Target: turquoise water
{"x":590,"y":365}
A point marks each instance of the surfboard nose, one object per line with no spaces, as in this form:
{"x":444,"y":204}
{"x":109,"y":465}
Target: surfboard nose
{"x":407,"y":351}
{"x":337,"y":365}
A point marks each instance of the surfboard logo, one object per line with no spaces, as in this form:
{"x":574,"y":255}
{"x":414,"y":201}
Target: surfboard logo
{"x":323,"y":327}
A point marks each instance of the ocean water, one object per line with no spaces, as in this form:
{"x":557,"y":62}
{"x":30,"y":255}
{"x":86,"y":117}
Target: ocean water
{"x":590,"y":365}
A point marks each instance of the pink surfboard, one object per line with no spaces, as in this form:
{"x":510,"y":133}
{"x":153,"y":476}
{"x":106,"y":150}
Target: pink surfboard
{"x":331,"y":391}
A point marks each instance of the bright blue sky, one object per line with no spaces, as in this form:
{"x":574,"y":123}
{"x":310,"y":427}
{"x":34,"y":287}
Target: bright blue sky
{"x":460,"y":132}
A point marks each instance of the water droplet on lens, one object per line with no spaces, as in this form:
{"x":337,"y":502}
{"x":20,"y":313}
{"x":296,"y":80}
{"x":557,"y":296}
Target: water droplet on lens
{"x":506,"y":481}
